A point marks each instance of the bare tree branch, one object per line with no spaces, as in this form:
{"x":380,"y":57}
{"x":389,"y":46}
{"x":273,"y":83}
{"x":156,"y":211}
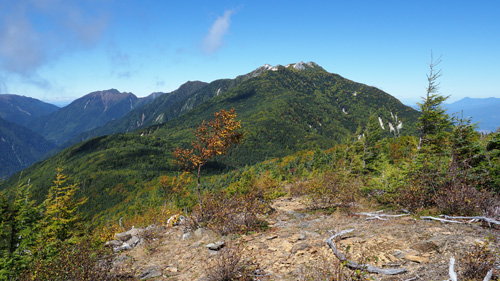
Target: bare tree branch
{"x":485,"y":219}
{"x":438,"y":219}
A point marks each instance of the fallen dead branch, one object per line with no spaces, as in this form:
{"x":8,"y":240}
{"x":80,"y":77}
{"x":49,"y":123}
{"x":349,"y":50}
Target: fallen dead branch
{"x":453,"y":274}
{"x":378,"y":215}
{"x":438,"y":219}
{"x":354,"y":265}
{"x":477,"y":218}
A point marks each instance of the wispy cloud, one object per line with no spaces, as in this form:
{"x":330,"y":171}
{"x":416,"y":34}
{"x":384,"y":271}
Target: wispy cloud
{"x":34,"y":33}
{"x":214,"y":40}
{"x":21,"y":48}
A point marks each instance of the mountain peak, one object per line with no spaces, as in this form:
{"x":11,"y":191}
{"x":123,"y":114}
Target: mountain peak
{"x":297,"y":66}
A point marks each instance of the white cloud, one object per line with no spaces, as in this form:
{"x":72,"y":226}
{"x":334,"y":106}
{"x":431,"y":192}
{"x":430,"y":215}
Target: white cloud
{"x":34,"y":33}
{"x":214,"y":40}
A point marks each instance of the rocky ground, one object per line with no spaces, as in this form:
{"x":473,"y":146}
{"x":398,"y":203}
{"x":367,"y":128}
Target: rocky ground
{"x":293,"y":247}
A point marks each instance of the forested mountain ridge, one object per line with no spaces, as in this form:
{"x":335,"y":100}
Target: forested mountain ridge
{"x":148,"y":114}
{"x":19,"y":147}
{"x":23,"y":110}
{"x":288,"y":108}
{"x":86,"y":113}
{"x":283,"y":109}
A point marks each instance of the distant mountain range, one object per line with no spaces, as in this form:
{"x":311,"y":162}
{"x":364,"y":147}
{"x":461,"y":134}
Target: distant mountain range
{"x":485,"y":112}
{"x":23,"y":110}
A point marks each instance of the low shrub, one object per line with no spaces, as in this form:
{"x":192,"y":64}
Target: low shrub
{"x":238,"y":213}
{"x":83,"y":261}
{"x":476,"y":263}
{"x":332,"y":189}
{"x":228,"y":265}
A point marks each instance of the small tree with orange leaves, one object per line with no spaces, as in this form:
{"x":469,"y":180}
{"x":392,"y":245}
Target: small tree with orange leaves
{"x":213,"y":138}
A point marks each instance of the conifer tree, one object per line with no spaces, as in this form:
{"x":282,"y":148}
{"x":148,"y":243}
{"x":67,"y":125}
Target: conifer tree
{"x":18,"y":231}
{"x":434,"y":121}
{"x":61,"y":218}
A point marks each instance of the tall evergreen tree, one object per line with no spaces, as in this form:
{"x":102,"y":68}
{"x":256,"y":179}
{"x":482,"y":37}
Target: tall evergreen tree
{"x":434,"y":121}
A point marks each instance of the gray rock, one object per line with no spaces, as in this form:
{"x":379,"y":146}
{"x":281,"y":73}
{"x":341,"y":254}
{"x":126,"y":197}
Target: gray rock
{"x":425,"y":246}
{"x":200,"y":232}
{"x":124,"y":247}
{"x":304,"y":224}
{"x":215,"y":246}
{"x":299,"y":247}
{"x":135,"y":231}
{"x":150,"y":272}
{"x":133,"y":241}
{"x":113,"y":243}
{"x":186,"y":236}
{"x":302,"y":235}
{"x":296,"y":214}
{"x":123,"y":236}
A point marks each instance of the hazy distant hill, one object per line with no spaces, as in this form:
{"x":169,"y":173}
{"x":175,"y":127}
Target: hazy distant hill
{"x":486,"y":112}
{"x":86,"y":113}
{"x":19,"y":147}
{"x":23,"y":110}
{"x":283,"y":109}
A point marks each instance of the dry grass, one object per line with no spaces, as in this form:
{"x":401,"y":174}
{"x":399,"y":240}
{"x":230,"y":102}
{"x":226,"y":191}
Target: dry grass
{"x":228,"y":265}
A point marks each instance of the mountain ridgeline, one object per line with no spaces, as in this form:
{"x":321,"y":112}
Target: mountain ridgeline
{"x":19,"y":147}
{"x":23,"y":110}
{"x":283,"y":109}
{"x":86,"y":113}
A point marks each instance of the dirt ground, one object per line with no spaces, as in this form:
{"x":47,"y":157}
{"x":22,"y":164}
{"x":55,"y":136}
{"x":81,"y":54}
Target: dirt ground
{"x":294,"y":245}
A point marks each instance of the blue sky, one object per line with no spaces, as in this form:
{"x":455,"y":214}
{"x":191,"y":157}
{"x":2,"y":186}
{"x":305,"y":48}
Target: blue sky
{"x":57,"y":50}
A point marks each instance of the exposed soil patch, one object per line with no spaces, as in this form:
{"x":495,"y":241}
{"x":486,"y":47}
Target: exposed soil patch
{"x":295,"y":241}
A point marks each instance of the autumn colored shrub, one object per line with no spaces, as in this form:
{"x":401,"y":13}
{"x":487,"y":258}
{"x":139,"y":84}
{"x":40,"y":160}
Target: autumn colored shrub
{"x":419,"y":192}
{"x":456,"y":191}
{"x":225,"y":214}
{"x":477,"y":262}
{"x":331,"y":189}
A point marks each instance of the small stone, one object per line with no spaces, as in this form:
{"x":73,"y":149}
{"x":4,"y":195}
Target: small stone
{"x":113,"y":243}
{"x":150,"y":272}
{"x":200,"y":232}
{"x":425,"y":247}
{"x":133,"y":241}
{"x":302,"y":235}
{"x":123,"y":236}
{"x":274,"y":236}
{"x":304,"y":224}
{"x":215,"y":246}
{"x":300,"y":247}
{"x":172,"y":269}
{"x":186,"y":236}
{"x":416,"y":258}
{"x":124,"y":247}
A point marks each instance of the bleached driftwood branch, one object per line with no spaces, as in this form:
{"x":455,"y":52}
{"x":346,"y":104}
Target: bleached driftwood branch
{"x":488,"y":275}
{"x":378,"y":215}
{"x":438,"y":219}
{"x":354,"y":265}
{"x":453,"y":274}
{"x":485,"y":219}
